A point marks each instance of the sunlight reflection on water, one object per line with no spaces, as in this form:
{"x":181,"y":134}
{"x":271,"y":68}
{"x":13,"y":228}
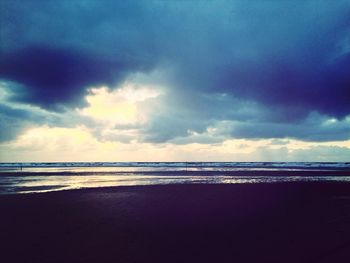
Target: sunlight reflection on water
{"x":47,"y":183}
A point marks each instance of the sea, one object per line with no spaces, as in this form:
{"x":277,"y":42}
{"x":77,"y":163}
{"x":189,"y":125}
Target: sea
{"x":25,"y":178}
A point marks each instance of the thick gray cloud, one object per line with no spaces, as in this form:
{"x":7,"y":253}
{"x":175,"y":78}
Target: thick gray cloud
{"x":263,"y":65}
{"x":14,"y":120}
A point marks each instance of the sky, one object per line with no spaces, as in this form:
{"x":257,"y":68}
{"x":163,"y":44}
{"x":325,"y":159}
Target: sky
{"x":174,"y":80}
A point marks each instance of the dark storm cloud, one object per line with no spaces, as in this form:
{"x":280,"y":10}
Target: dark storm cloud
{"x":295,"y":89}
{"x":262,"y":63}
{"x":53,"y":76}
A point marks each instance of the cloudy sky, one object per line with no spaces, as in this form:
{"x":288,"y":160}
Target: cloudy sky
{"x":174,"y":80}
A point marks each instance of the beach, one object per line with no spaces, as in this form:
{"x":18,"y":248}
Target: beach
{"x":275,"y":222}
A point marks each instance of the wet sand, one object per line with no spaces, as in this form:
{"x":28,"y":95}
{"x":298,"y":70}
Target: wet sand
{"x":279,"y":222}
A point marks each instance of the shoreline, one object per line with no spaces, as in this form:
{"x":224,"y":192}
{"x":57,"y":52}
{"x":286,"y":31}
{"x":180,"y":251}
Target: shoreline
{"x":305,"y":172}
{"x":280,"y":222}
{"x":24,"y":183}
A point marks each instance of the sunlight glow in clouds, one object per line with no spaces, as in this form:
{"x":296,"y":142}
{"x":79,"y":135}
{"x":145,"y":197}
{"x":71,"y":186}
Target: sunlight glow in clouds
{"x":120,"y":106}
{"x":120,"y":117}
{"x":55,"y":139}
{"x":78,"y":144}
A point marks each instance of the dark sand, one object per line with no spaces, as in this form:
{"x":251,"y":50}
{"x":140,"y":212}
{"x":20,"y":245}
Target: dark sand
{"x":290,"y":222}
